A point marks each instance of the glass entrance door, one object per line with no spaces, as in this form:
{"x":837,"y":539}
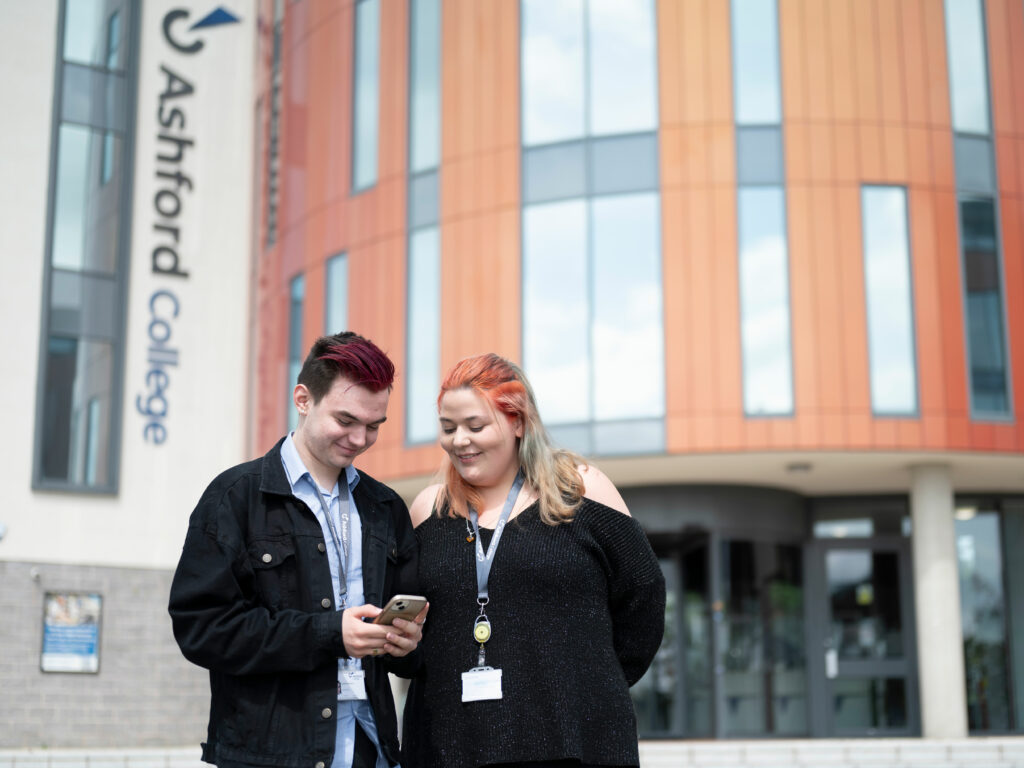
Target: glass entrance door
{"x":863,"y":665}
{"x":760,"y":666}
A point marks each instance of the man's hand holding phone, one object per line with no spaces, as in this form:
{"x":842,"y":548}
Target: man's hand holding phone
{"x":405,"y":614}
{"x":395,"y":630}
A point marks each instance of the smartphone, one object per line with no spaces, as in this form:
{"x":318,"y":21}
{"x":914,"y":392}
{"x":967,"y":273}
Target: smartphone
{"x":401,"y":607}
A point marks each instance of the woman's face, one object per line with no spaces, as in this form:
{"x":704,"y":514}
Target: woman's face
{"x":480,"y":441}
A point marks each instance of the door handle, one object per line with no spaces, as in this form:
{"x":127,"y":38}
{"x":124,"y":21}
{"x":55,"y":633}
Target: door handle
{"x":831,"y":663}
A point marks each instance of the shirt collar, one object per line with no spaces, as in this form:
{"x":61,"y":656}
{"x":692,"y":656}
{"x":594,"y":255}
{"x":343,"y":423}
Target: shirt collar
{"x":296,"y":469}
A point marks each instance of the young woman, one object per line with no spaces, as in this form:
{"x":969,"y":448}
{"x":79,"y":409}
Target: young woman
{"x":547,"y":602}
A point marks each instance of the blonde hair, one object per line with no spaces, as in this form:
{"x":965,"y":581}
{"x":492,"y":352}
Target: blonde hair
{"x":551,"y":471}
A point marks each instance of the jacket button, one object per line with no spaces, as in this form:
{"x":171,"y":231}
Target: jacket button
{"x":326,"y":714}
{"x":394,"y":551}
{"x":267,"y":557}
{"x":320,"y":764}
{"x":326,"y":602}
{"x":321,"y":547}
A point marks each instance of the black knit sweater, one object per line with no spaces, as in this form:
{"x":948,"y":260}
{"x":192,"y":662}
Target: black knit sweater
{"x":577,"y":612}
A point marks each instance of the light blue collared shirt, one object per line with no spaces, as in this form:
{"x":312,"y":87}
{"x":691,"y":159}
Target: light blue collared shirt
{"x":305,"y":488}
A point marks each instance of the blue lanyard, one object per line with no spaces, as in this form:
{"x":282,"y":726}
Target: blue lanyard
{"x":341,"y":542}
{"x":484,"y":561}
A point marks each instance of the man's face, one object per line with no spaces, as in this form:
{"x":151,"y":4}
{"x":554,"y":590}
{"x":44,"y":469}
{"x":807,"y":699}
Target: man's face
{"x":346,"y":421}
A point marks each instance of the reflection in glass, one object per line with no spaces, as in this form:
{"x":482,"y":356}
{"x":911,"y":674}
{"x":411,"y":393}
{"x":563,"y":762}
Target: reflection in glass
{"x":85,"y":220}
{"x":764,"y":302}
{"x":697,"y":641}
{"x":860,"y":704}
{"x":622,"y":76}
{"x":762,"y":639}
{"x":552,"y":70}
{"x":90,"y":35}
{"x":864,"y":597}
{"x":627,"y":314}
{"x":425,"y":85}
{"x":109,"y":156}
{"x":755,"y":47}
{"x":854,"y":528}
{"x":367,"y":94}
{"x":985,"y":338}
{"x":113,"y":39}
{"x":423,"y":334}
{"x":295,"y":350}
{"x":1013,"y":534}
{"x":983,"y":616}
{"x":655,"y":699}
{"x":336,"y":300}
{"x":890,"y":306}
{"x":76,"y":412}
{"x":968,"y":73}
{"x":555,"y":309}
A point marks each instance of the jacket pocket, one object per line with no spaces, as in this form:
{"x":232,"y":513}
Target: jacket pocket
{"x":274,"y":563}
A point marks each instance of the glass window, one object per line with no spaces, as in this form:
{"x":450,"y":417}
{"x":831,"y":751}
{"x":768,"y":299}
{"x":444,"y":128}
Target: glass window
{"x":76,"y":429}
{"x":656,"y":694}
{"x":755,"y":50}
{"x":762,"y":650}
{"x":87,"y":32}
{"x":764,"y":302}
{"x":624,"y":164}
{"x":985,"y":336}
{"x":79,"y":374}
{"x":85,"y":224}
{"x":759,"y":156}
{"x":968,"y":72}
{"x":425,"y":78}
{"x":855,"y":528}
{"x":295,"y":350}
{"x":864,"y":607}
{"x":621,"y":56}
{"x":336,"y":300}
{"x":113,"y":39}
{"x":552,"y":70}
{"x":554,"y":172}
{"x":366,"y":94}
{"x":862,"y":703}
{"x":1013,"y":534}
{"x":109,"y":157}
{"x":890,"y":304}
{"x":424,"y":335}
{"x":975,"y":172}
{"x":983,"y":617}
{"x":424,"y":205}
{"x":627,"y":312}
{"x":556,"y":316}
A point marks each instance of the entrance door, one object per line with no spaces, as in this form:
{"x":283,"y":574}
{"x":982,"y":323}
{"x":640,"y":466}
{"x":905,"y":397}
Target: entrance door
{"x":862,"y":662}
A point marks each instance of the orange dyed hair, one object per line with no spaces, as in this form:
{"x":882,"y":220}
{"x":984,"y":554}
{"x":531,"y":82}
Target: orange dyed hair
{"x":551,"y":472}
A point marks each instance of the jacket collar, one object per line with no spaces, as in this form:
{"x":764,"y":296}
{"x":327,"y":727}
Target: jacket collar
{"x":273,"y":478}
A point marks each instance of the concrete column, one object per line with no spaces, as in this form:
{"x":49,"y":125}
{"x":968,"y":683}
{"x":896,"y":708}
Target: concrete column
{"x":937,"y":604}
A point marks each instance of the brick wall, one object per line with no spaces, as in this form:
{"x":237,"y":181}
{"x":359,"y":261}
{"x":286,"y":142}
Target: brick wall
{"x":145,"y":693}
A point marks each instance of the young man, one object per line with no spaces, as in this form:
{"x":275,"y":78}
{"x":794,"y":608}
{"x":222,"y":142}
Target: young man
{"x":286,"y":561}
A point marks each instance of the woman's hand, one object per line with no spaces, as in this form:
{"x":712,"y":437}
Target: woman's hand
{"x":405,"y":635}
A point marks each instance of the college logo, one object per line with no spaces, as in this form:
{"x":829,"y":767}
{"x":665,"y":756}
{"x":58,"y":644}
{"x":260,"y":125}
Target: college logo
{"x":215,"y":18}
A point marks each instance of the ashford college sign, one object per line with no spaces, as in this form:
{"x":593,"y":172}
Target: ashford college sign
{"x":177,"y":197}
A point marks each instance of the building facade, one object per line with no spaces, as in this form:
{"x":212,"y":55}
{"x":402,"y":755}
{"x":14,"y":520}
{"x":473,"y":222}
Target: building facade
{"x":762,"y":262}
{"x":125,"y":279}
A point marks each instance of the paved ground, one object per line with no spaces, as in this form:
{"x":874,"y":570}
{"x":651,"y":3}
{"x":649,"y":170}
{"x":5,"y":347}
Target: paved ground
{"x":1002,"y":752}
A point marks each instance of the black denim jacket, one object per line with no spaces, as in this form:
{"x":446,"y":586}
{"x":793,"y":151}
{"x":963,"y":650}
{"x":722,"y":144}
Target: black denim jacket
{"x":252,"y":602}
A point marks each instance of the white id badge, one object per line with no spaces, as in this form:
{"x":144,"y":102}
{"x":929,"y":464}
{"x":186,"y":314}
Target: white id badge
{"x":481,"y":684}
{"x":351,"y":685}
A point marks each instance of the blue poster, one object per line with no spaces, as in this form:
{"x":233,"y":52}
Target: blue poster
{"x":71,"y":632}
